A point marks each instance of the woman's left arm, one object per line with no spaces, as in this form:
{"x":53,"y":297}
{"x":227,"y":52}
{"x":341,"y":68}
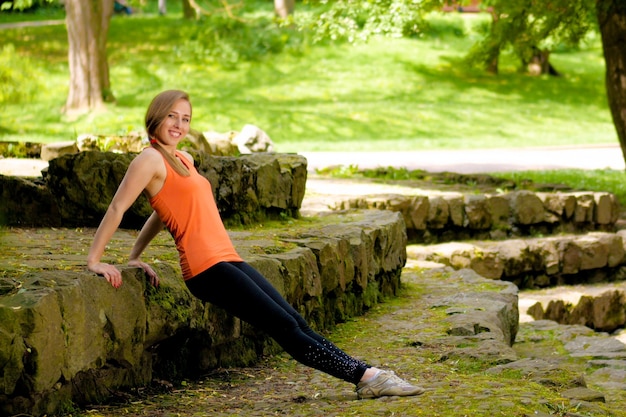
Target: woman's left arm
{"x":150,"y":229}
{"x":140,"y":172}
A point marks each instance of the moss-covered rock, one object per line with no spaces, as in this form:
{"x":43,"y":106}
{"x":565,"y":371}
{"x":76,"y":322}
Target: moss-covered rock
{"x":77,"y":189}
{"x":67,"y":336}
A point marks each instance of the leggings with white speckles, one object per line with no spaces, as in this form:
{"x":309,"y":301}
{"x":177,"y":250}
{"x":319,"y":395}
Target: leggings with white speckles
{"x":243,"y":292}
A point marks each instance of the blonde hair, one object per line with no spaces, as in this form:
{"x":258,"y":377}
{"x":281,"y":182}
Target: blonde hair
{"x":157,"y":111}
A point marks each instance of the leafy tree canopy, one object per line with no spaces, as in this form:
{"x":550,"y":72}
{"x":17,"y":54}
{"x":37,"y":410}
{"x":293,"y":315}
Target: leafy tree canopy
{"x":523,"y":25}
{"x":22,"y":4}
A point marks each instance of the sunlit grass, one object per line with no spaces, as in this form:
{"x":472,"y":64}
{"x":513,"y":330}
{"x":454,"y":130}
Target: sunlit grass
{"x":601,"y":180}
{"x":388,"y":94}
{"x":606,"y":180}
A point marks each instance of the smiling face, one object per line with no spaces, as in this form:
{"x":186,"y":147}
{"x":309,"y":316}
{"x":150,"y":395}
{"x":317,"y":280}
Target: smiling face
{"x":175,"y":125}
{"x":168,"y":117}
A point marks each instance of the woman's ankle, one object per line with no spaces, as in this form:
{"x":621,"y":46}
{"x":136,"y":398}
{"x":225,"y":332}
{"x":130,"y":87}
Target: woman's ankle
{"x":369,"y":374}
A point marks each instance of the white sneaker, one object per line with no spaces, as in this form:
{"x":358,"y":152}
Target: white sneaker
{"x":386,"y":383}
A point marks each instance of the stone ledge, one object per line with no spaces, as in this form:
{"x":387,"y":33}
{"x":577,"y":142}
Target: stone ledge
{"x":605,"y":312}
{"x":467,"y":315}
{"x":434,"y":216}
{"x":534,"y":262}
{"x":76,"y":189}
{"x":68,"y":336}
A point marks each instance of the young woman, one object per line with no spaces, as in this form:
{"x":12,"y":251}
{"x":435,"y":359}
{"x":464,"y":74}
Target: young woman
{"x":213,"y":271}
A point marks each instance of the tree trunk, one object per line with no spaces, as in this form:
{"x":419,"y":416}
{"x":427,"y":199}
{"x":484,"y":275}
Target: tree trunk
{"x":87,"y":24}
{"x":493,"y":54}
{"x":284,"y":8}
{"x":188,"y":11}
{"x":162,"y":7}
{"x":539,"y":63}
{"x":612,"y":21}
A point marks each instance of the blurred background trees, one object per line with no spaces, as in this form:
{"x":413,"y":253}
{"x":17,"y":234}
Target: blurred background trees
{"x":529,"y":29}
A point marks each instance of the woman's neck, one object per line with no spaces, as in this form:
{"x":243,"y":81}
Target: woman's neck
{"x":168,"y":148}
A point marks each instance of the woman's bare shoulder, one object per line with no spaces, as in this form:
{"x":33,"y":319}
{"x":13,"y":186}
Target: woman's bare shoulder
{"x":149,"y":158}
{"x":149,"y":154}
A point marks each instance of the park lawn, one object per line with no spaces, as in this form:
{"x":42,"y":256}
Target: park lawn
{"x":607,"y":180}
{"x":387,"y":94}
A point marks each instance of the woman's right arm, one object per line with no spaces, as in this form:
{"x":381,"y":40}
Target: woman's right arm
{"x":140,"y":172}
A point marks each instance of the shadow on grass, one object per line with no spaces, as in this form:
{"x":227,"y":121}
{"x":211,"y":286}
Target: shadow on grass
{"x":5,"y":130}
{"x":570,"y":89}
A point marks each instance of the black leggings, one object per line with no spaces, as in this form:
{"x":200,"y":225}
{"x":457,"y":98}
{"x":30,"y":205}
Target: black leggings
{"x":243,"y":292}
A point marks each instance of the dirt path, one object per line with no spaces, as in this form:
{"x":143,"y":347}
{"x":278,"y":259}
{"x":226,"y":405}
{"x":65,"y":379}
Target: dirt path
{"x":390,"y":336}
{"x":31,"y":23}
{"x":458,"y":161}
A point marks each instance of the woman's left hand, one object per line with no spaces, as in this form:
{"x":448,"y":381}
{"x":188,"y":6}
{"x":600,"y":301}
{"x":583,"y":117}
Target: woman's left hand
{"x":152,"y":275}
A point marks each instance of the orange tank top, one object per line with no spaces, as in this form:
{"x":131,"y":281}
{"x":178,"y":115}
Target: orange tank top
{"x":187,"y":208}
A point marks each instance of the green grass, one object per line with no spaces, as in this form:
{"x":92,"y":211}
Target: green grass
{"x":606,"y":180}
{"x":601,"y":180}
{"x":387,"y":94}
{"x":52,"y":12}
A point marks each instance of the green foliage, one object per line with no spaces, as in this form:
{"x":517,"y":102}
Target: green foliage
{"x":19,"y":149}
{"x":438,"y":25}
{"x":18,"y":77}
{"x":342,"y":171}
{"x":229,"y":42}
{"x":520,"y":27}
{"x":352,"y":20}
{"x":527,"y":25}
{"x":23,"y":4}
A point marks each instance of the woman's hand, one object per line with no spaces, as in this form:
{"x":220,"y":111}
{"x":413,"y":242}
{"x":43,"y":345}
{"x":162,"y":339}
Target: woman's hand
{"x":152,"y":275}
{"x":111,"y":273}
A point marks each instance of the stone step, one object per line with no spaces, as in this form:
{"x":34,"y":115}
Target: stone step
{"x":433,"y":215}
{"x":478,"y":320}
{"x":599,"y":357}
{"x":533,"y":262}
